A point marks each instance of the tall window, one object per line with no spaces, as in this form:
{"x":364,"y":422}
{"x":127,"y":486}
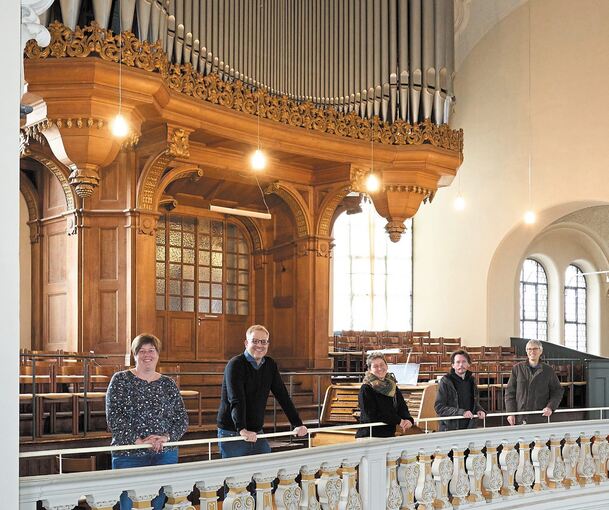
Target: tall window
{"x":533,"y":301}
{"x":372,"y":276}
{"x":575,"y":308}
{"x":201,"y":263}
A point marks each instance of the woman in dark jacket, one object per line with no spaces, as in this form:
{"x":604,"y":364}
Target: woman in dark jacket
{"x":380,"y":399}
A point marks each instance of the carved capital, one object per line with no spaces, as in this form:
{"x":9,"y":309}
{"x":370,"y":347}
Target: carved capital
{"x":177,"y":142}
{"x":84,"y":180}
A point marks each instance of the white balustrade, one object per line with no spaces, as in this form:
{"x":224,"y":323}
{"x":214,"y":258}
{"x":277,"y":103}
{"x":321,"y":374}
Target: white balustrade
{"x":456,"y":469}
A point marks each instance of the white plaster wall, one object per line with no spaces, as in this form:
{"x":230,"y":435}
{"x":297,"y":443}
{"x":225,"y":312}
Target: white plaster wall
{"x":25,"y":277}
{"x":466,"y":264}
{"x":10,"y":86}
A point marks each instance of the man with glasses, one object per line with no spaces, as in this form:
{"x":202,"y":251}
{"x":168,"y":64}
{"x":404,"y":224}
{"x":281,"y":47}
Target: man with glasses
{"x":533,"y":386}
{"x":248,"y":379}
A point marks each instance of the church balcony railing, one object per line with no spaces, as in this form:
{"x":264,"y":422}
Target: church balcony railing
{"x":522,"y":466}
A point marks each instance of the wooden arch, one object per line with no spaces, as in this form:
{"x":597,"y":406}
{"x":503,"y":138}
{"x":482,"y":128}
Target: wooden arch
{"x":178,"y":172}
{"x":57,"y":169}
{"x":32,"y":199}
{"x":328,"y":208}
{"x":297,"y":205}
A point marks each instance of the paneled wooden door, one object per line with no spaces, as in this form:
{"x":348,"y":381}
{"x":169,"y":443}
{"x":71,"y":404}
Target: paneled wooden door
{"x":203,"y":287}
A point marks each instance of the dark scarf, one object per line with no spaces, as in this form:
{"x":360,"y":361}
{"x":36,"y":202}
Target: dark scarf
{"x":384,"y":386}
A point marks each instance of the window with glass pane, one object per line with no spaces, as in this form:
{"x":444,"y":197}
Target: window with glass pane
{"x":237,"y":269}
{"x":201,"y":264}
{"x":575,"y":309}
{"x":533,"y":301}
{"x":372,"y":276}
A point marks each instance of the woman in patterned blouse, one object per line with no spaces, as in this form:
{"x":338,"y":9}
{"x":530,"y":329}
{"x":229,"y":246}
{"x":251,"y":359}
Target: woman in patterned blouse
{"x":143,"y":406}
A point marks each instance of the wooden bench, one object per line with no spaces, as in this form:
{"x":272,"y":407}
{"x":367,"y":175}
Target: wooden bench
{"x":341,"y":408}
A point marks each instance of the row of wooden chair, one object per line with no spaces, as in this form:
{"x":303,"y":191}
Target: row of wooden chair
{"x":53,"y":382}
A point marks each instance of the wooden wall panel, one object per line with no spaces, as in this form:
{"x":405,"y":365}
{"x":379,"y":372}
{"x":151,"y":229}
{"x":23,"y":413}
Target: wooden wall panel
{"x":105,"y":287}
{"x":54,"y":199}
{"x":234,"y":335}
{"x":55,"y":288}
{"x":108,"y":314}
{"x":210,"y":341}
{"x":56,"y":257}
{"x":56,"y":321}
{"x":108,"y":253}
{"x":109,"y":180}
{"x":160,"y":331}
{"x":181,"y":333}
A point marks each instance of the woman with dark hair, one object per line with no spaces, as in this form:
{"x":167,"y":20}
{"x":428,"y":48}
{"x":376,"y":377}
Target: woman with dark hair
{"x":380,"y":399}
{"x":144,"y":407}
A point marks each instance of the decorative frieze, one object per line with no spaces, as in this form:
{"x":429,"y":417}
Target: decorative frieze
{"x":234,"y":94}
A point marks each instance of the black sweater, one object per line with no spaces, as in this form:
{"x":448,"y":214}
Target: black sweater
{"x":245,"y":391}
{"x":375,"y":406}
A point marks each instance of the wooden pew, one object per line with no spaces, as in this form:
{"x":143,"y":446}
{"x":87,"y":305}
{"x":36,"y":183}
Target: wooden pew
{"x":341,"y":408}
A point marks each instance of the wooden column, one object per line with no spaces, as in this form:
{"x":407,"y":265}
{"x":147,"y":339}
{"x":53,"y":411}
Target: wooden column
{"x":556,"y":466}
{"x":476,"y":465}
{"x":309,"y":499}
{"x":288,"y":493}
{"x":408,"y":474}
{"x":442,"y":471}
{"x":525,"y":474}
{"x":508,"y":459}
{"x":585,"y":462}
{"x":541,"y":459}
{"x":394,"y":495}
{"x":459,"y":483}
{"x":570,"y":454}
{"x":600,"y":451}
{"x":426,"y":489}
{"x":329,"y":486}
{"x":492,"y":479}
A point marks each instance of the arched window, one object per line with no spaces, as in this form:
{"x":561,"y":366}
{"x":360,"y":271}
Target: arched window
{"x":372,"y":276}
{"x":201,"y":263}
{"x":533,"y":301}
{"x":575,"y":308}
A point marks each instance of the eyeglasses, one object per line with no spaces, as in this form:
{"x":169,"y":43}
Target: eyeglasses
{"x":259,"y":342}
{"x":532,"y":349}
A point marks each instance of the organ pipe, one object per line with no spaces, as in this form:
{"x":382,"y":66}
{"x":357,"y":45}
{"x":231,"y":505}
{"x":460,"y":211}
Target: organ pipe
{"x":391,"y":58}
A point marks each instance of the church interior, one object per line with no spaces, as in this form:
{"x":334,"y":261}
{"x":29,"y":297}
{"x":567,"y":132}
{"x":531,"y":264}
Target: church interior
{"x":413,"y":176}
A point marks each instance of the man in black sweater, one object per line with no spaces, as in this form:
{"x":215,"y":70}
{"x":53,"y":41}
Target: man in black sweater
{"x":248,"y":379}
{"x":458,"y":394}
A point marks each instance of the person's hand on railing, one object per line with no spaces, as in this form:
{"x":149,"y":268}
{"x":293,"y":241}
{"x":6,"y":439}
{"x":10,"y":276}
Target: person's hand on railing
{"x":481,"y":415}
{"x":468,"y":414}
{"x":511,"y":420}
{"x":546,"y":412}
{"x":248,"y":435}
{"x":155,"y":441}
{"x":300,"y":431}
{"x":405,"y":424}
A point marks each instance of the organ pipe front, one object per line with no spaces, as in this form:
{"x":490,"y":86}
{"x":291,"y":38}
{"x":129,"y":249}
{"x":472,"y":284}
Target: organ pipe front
{"x":388,"y":58}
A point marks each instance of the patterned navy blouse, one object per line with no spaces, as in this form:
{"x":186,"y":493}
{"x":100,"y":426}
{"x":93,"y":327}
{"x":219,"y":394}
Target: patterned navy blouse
{"x":138,"y":408}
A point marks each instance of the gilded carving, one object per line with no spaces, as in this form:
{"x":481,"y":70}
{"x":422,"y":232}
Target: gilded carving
{"x":178,"y":143}
{"x":95,"y":41}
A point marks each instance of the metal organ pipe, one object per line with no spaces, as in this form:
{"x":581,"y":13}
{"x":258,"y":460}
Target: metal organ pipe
{"x":392,"y":58}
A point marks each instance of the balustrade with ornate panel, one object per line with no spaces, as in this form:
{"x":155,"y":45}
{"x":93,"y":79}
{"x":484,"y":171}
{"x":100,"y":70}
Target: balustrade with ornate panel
{"x":387,"y":472}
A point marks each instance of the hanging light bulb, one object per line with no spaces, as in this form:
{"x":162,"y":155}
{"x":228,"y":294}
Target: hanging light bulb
{"x":530,"y":217}
{"x":119,"y":126}
{"x":459,"y":203}
{"x":373,"y":183}
{"x":258,"y":160}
